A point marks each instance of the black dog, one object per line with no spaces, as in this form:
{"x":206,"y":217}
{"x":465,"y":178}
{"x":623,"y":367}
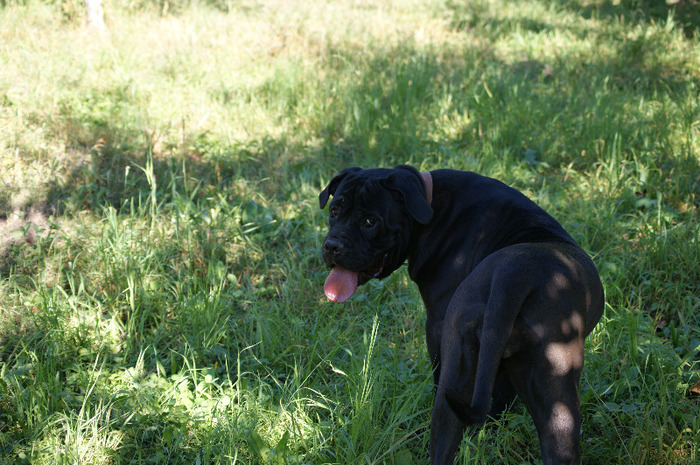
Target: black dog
{"x":509,"y":295}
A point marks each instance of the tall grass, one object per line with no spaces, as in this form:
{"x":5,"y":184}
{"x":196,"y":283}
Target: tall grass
{"x":160,"y":284}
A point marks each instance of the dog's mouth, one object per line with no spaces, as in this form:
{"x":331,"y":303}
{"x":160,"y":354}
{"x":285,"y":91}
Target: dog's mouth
{"x":342,"y":283}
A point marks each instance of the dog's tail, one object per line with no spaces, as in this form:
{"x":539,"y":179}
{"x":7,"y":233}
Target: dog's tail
{"x":498,"y":323}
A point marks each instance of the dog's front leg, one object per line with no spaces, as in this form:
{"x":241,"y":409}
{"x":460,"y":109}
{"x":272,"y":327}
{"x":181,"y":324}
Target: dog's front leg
{"x":433,"y":331}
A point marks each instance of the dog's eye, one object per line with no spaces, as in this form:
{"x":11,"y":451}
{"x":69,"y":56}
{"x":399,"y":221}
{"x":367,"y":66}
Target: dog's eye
{"x":333,"y":212}
{"x":369,"y":222}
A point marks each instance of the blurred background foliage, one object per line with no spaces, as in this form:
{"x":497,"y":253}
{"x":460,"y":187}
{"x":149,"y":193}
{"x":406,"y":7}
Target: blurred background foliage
{"x":684,"y":12}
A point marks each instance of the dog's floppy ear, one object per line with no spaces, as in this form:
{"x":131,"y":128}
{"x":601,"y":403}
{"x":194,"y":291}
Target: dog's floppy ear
{"x":333,"y":185}
{"x":412,"y":190}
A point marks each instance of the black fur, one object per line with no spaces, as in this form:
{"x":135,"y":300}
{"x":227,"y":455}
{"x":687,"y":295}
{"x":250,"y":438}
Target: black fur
{"x":509,"y":295}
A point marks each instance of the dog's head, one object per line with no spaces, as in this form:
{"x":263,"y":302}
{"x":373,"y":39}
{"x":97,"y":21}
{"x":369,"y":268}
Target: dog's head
{"x":371,"y":218}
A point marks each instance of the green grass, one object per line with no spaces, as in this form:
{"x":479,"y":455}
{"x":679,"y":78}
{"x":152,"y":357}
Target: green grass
{"x":160,"y":280}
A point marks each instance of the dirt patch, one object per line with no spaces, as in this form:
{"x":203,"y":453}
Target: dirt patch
{"x":23,"y":226}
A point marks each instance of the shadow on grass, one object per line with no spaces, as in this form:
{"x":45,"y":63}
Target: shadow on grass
{"x":504,"y":117}
{"x":569,"y":109}
{"x":686,"y":13}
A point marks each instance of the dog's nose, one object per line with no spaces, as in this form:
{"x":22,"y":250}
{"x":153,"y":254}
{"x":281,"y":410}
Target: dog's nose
{"x":332,"y":246}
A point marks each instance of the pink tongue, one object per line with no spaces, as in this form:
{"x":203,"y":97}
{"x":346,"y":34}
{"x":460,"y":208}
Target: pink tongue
{"x":340,"y":284}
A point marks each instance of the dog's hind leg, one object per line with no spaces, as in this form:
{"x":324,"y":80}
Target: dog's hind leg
{"x":550,"y":393}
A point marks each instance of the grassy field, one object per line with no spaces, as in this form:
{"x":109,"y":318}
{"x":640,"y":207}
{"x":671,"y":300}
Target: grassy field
{"x":160,"y":280}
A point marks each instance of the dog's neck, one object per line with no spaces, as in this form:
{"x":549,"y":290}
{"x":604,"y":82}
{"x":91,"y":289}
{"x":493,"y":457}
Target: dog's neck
{"x":428,"y":180}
